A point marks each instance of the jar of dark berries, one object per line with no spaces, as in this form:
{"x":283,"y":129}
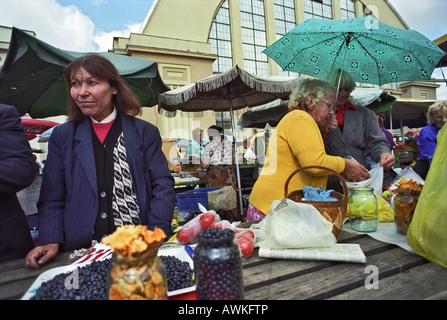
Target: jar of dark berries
{"x":218,"y":266}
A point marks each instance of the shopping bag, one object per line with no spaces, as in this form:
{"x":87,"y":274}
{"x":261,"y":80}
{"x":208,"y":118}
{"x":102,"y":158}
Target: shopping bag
{"x":427,"y":233}
{"x":291,"y":224}
{"x":375,"y":181}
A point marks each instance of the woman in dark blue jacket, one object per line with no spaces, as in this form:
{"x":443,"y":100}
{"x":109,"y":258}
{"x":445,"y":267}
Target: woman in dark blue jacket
{"x":105,"y":167}
{"x":17,"y":171}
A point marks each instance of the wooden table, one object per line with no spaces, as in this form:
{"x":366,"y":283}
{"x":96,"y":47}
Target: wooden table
{"x":401,"y":275}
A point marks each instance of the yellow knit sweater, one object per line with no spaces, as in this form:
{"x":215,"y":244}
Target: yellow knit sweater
{"x":296,"y":143}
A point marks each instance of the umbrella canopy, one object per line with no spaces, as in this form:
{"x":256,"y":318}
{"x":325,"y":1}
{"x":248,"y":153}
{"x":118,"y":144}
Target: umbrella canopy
{"x":232,"y":90}
{"x":32,"y":76}
{"x":371,"y":51}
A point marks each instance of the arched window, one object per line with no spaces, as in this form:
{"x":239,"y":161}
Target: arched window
{"x":347,"y":9}
{"x":317,"y":9}
{"x":253,"y":36}
{"x":284,"y":12}
{"x":220,"y":39}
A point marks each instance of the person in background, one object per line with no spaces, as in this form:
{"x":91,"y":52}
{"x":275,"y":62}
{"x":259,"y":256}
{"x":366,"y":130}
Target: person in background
{"x":195,"y":148}
{"x":249,"y":154}
{"x":105,"y":167}
{"x":427,"y":140}
{"x":218,"y":159}
{"x":354,"y":131}
{"x":388,"y":135}
{"x":17,"y":171}
{"x":297,"y":143}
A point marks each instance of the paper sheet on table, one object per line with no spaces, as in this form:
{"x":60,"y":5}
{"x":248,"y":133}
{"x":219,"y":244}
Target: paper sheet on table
{"x":345,"y":252}
{"x":386,"y":233}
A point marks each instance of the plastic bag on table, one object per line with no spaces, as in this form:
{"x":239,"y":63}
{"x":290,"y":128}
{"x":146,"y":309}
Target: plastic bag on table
{"x":375,"y":181}
{"x":244,"y":237}
{"x":188,"y":233}
{"x":408,"y":173}
{"x":291,"y":224}
{"x":427,"y":232}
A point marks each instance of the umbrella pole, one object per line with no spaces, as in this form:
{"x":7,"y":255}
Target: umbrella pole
{"x":236,"y":159}
{"x":336,"y":92}
{"x":391,"y":124}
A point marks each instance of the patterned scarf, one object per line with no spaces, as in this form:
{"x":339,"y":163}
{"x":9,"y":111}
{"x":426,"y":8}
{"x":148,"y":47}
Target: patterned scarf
{"x":124,"y":200}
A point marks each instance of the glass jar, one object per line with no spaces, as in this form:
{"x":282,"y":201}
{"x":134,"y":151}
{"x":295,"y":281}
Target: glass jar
{"x":137,"y":278}
{"x":218,"y":267}
{"x":404,"y":204}
{"x":363,"y":209}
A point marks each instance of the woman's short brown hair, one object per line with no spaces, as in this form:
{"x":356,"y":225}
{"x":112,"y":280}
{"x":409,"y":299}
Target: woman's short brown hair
{"x":100,"y":67}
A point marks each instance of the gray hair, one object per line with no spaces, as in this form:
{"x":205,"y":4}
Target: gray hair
{"x":309,"y":92}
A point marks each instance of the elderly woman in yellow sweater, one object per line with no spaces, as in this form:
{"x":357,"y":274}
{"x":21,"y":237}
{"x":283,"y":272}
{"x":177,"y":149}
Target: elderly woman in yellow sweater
{"x":296,"y":143}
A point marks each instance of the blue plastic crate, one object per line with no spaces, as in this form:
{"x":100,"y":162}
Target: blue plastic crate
{"x":188,"y":200}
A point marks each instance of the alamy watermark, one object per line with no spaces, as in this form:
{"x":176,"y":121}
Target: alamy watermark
{"x":372,"y":279}
{"x":72,"y":280}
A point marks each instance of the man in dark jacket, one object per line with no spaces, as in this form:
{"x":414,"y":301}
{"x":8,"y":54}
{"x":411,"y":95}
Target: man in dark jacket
{"x":17,"y":171}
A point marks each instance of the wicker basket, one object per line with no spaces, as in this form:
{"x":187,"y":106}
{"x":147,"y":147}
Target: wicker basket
{"x":333,"y":211}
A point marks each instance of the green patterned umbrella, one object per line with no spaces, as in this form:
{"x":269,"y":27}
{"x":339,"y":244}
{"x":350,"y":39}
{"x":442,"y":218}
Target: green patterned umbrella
{"x":371,"y":51}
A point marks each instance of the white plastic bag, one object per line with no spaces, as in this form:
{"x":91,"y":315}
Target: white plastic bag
{"x":407,"y":173}
{"x":291,"y":224}
{"x":375,"y":181}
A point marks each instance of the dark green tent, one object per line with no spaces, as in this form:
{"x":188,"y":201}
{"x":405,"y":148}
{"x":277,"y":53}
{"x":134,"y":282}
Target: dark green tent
{"x":32,"y":76}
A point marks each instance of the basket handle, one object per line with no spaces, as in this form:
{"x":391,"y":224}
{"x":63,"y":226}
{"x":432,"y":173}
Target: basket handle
{"x":345,"y":187}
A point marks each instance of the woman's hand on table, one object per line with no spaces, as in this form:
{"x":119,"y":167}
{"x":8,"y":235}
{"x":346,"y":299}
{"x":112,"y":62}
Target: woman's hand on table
{"x":40,"y":255}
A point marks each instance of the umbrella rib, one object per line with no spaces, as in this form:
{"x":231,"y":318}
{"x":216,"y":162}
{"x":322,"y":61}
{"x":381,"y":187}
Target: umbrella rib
{"x":310,"y":47}
{"x":372,"y":57}
{"x":387,"y":44}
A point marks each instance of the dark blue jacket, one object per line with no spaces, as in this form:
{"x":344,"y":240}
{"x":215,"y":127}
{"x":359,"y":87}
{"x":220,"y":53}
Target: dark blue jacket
{"x":68,"y":203}
{"x":17,"y":171}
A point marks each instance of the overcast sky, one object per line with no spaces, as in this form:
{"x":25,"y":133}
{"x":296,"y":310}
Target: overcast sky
{"x":90,"y":25}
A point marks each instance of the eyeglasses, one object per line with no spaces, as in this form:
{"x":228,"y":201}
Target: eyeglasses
{"x":347,"y":91}
{"x":440,"y":117}
{"x":328,"y":104}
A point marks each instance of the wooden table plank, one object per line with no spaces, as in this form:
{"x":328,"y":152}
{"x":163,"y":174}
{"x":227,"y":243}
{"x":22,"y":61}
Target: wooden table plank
{"x":416,"y":283}
{"x":329,"y":279}
{"x":15,"y":279}
{"x":273,"y":270}
{"x":402,"y":275}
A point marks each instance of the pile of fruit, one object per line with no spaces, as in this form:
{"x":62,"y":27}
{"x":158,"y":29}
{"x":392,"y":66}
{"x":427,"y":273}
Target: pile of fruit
{"x":188,"y":233}
{"x":92,"y":281}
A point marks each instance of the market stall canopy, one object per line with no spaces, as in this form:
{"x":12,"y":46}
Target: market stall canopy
{"x":272,"y":113}
{"x":231,"y":90}
{"x":407,"y":112}
{"x":441,"y":42}
{"x":404,"y":109}
{"x":32,"y":76}
{"x":267,"y":114}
